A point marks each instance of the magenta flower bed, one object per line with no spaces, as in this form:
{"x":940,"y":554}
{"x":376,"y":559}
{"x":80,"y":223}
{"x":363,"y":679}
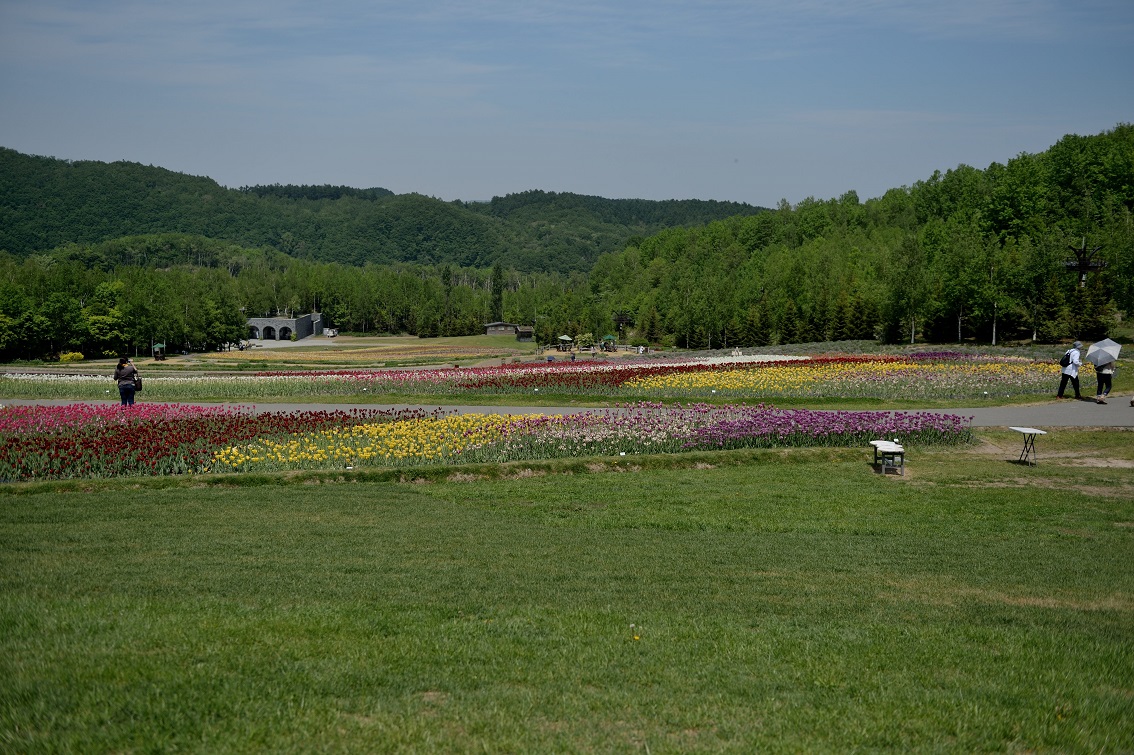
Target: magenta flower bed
{"x":791,"y":427}
{"x":652,"y":428}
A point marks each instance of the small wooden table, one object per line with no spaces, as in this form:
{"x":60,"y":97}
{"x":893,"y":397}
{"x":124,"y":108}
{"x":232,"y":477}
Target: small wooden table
{"x":1028,"y":455}
{"x":888,"y":455}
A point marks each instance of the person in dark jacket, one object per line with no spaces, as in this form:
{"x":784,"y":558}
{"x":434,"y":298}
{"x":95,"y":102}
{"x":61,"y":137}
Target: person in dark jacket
{"x":1105,"y":376}
{"x":125,"y":374}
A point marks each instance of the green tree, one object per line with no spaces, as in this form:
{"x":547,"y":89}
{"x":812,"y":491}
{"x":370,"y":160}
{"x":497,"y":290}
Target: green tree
{"x":497,"y":313}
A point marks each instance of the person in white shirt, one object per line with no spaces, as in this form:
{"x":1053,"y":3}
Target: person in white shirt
{"x":1071,"y":371}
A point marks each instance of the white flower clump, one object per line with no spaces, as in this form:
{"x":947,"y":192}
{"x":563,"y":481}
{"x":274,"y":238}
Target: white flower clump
{"x":40,"y":377}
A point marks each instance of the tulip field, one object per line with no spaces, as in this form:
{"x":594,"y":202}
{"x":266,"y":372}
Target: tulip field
{"x":722,"y":406}
{"x":917,"y":376}
{"x":99,"y":441}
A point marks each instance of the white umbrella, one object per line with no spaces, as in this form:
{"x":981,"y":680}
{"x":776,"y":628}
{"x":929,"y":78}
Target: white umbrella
{"x":1102,"y":352}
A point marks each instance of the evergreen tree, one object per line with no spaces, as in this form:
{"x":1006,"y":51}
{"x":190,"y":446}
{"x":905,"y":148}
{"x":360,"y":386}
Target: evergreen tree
{"x":497,"y":313}
{"x":762,"y":328}
{"x":749,"y":327}
{"x":1092,"y":313}
{"x":839,"y":329}
{"x":733,"y":333}
{"x":1051,"y":320}
{"x":791,"y":328}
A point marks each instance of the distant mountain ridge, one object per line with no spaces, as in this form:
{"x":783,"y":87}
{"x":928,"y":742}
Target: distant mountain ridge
{"x":47,"y":202}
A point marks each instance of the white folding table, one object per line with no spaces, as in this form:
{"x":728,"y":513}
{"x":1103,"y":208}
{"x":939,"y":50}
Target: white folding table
{"x":1028,"y":455}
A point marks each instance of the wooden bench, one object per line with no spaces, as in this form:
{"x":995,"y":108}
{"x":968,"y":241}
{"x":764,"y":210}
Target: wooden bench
{"x":889,"y":455}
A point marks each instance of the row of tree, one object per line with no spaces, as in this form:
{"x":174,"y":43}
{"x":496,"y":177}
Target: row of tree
{"x":54,"y":304}
{"x":966,"y":254}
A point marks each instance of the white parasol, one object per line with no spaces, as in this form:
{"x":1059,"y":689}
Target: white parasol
{"x":1102,"y":352}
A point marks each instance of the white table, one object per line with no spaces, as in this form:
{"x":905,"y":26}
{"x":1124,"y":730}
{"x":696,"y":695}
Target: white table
{"x":1028,"y":455}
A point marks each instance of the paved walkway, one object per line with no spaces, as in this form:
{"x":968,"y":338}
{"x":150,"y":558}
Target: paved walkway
{"x":1065,"y":413}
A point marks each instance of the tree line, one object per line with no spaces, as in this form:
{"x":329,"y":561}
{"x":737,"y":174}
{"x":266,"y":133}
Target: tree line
{"x":968,"y":254}
{"x":55,"y":304}
{"x":965,"y":254}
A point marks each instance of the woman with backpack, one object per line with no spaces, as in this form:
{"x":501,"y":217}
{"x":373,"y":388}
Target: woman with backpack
{"x":127,"y":377}
{"x":1071,"y":362}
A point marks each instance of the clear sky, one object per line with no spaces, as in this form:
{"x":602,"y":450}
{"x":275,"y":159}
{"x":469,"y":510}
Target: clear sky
{"x":744,"y":100}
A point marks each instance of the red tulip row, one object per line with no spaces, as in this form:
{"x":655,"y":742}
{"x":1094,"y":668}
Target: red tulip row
{"x":148,"y":443}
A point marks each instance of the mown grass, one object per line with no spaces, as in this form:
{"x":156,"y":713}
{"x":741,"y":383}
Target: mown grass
{"x":753,"y":601}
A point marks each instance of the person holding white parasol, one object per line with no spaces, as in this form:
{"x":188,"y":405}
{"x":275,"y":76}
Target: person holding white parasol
{"x":1104,"y":356}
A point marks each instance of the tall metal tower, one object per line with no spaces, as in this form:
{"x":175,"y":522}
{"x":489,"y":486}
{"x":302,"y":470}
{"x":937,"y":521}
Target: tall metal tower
{"x":1084,"y":261}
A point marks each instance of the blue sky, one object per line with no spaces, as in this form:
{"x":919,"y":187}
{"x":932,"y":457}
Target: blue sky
{"x":747,"y":101}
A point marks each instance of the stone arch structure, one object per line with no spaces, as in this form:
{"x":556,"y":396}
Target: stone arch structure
{"x":281,"y":328}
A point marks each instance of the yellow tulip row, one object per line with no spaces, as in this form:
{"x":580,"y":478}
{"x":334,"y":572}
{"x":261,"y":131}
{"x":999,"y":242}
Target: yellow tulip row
{"x":389,"y":442}
{"x":802,"y":378}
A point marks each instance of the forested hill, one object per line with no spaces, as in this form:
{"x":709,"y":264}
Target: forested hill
{"x":544,"y":206}
{"x":46,"y":203}
{"x":968,"y":253}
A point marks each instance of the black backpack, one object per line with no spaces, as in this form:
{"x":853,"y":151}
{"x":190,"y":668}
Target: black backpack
{"x":1066,"y":359}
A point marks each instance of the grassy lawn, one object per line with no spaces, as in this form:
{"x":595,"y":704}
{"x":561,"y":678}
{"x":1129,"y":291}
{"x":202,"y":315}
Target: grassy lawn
{"x":759,"y":601}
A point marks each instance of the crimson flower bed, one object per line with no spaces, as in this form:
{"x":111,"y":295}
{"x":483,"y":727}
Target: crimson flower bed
{"x":85,"y":440}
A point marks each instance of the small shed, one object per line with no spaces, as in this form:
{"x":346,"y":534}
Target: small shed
{"x":500,"y":329}
{"x":525,"y":333}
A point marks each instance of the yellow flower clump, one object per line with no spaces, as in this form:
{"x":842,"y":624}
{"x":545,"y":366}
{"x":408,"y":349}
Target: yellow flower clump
{"x":409,"y":441}
{"x":793,"y":379}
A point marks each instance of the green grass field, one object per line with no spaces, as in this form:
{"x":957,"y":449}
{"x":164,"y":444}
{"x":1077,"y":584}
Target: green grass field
{"x":772,"y":601}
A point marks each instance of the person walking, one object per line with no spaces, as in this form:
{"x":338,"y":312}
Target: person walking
{"x":1071,"y":369}
{"x":125,"y":374}
{"x":1105,"y":375}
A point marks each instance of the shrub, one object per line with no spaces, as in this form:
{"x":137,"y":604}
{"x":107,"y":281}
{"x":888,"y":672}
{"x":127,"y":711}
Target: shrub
{"x":70,"y":356}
